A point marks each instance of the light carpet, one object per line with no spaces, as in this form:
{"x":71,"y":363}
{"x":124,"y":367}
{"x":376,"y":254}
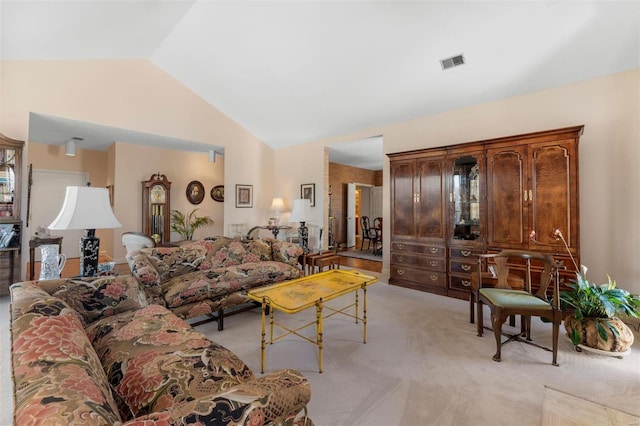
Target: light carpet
{"x":361,"y":254}
{"x":422,"y":365}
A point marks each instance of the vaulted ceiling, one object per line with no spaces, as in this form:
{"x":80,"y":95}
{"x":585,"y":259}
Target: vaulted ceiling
{"x":292,"y":72}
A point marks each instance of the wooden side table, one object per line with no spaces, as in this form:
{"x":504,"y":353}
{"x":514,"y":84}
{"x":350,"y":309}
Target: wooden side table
{"x":37,"y":242}
{"x":311,"y":260}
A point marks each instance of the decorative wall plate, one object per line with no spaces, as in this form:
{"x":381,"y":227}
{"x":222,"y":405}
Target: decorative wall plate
{"x":217,"y":193}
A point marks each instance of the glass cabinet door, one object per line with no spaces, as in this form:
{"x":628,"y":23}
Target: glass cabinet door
{"x":466,"y":198}
{"x":10,"y":162}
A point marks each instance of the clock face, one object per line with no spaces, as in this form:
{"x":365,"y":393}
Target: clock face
{"x":158,"y":194}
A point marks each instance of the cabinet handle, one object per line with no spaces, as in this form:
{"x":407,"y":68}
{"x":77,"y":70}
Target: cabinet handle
{"x":433,"y":277}
{"x":433,"y":250}
{"x":465,"y":253}
{"x":465,"y":283}
{"x":400,"y":272}
{"x":433,"y":263}
{"x":400,"y":258}
{"x":525,"y":195}
{"x":530,"y":195}
{"x":400,"y":246}
{"x":451,"y":197}
{"x":466,"y":268}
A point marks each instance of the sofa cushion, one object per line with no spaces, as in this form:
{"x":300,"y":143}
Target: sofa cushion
{"x":102,"y":297}
{"x":284,"y":251}
{"x":257,"y":251}
{"x":173,"y":261}
{"x":154,"y":360}
{"x":218,"y":282}
{"x":147,"y":275}
{"x":229,"y":254}
{"x":60,"y":378}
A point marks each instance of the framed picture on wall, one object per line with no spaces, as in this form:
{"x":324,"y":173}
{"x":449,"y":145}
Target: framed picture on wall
{"x":195,"y":192}
{"x":244,"y":196}
{"x":308,"y":192}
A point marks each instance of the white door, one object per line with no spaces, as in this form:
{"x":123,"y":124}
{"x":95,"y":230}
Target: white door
{"x":351,"y":215}
{"x":376,"y":202}
{"x":47,"y":195}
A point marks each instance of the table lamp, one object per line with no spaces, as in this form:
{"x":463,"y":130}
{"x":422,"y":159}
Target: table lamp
{"x":300,"y":213}
{"x":277,"y":206}
{"x":86,"y":208}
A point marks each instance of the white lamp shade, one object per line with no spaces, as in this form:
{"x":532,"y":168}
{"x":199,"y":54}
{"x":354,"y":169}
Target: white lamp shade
{"x":301,"y":210}
{"x":85,"y":207}
{"x":277,"y":205}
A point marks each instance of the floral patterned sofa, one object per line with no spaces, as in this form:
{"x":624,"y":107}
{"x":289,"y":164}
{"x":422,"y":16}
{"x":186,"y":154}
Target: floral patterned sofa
{"x":96,"y":353}
{"x":207,"y":277}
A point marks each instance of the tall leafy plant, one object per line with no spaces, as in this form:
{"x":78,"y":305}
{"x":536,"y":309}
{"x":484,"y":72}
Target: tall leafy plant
{"x":185,"y":225}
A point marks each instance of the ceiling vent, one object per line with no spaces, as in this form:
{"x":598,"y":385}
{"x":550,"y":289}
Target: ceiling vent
{"x":453,"y":61}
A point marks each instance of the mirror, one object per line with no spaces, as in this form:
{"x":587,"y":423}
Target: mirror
{"x":466,"y":198}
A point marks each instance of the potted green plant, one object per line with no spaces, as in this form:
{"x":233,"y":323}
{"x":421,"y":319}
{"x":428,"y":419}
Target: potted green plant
{"x":185,"y":225}
{"x":595,"y":311}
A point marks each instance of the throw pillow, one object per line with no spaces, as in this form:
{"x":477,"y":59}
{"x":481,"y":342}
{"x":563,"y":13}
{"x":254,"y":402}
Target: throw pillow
{"x":102,"y":297}
{"x":284,"y":251}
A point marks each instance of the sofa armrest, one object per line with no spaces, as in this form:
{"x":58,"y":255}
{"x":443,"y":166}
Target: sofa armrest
{"x":276,"y":398}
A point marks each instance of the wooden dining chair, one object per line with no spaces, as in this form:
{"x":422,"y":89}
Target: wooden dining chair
{"x":365,"y":228}
{"x":503,"y":301}
{"x":377,"y":235}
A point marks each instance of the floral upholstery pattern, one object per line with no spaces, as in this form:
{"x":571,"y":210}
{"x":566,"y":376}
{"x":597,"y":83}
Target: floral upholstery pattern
{"x":153,"y":360}
{"x":202,"y":277}
{"x":286,"y":252}
{"x":103,"y":297}
{"x":57,"y":375}
{"x":201,"y":285}
{"x":144,"y":362}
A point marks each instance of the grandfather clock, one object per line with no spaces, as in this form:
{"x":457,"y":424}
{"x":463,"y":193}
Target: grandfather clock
{"x":156,"y":209}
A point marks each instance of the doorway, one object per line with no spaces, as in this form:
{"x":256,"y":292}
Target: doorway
{"x":362,"y":200}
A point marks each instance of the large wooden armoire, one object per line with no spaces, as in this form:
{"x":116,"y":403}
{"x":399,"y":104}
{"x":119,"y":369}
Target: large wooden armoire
{"x":449,"y":204}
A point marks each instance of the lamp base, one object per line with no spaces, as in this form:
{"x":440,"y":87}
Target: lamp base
{"x":303,"y":235}
{"x":89,"y":253}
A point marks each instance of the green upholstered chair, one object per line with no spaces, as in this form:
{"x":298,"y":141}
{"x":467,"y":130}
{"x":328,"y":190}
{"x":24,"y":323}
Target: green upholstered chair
{"x":532,"y":301}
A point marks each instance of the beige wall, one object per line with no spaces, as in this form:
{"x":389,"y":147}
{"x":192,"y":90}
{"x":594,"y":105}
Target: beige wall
{"x":609,"y":107}
{"x":135,"y":95}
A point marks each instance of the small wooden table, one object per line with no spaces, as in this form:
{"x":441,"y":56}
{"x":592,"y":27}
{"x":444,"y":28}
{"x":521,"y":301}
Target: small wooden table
{"x":297,"y":295}
{"x":311,"y":260}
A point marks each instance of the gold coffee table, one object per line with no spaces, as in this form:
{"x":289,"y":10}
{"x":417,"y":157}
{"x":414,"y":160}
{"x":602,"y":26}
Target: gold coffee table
{"x":296,"y":295}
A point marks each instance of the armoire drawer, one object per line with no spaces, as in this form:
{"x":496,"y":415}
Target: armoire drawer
{"x":459,"y":282}
{"x":427,"y":249}
{"x":463,"y":267}
{"x":432,"y":278}
{"x":464,"y":253}
{"x":428,"y":262}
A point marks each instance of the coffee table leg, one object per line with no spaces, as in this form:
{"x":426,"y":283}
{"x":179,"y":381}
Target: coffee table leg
{"x":319,"y":333}
{"x":263,"y":343}
{"x":356,"y":292}
{"x":364,"y":314}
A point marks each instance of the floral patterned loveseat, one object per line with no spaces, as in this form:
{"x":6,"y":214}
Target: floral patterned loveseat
{"x":207,"y":277}
{"x":96,"y":353}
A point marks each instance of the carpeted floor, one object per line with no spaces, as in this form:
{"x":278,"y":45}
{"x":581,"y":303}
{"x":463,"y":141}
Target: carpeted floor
{"x":423,"y":364}
{"x":361,"y":254}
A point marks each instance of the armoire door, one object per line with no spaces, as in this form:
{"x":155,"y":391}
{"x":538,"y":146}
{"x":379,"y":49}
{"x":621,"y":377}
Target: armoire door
{"x":429,"y":198}
{"x":554,"y":201}
{"x":507,"y":197}
{"x":403,"y":219}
